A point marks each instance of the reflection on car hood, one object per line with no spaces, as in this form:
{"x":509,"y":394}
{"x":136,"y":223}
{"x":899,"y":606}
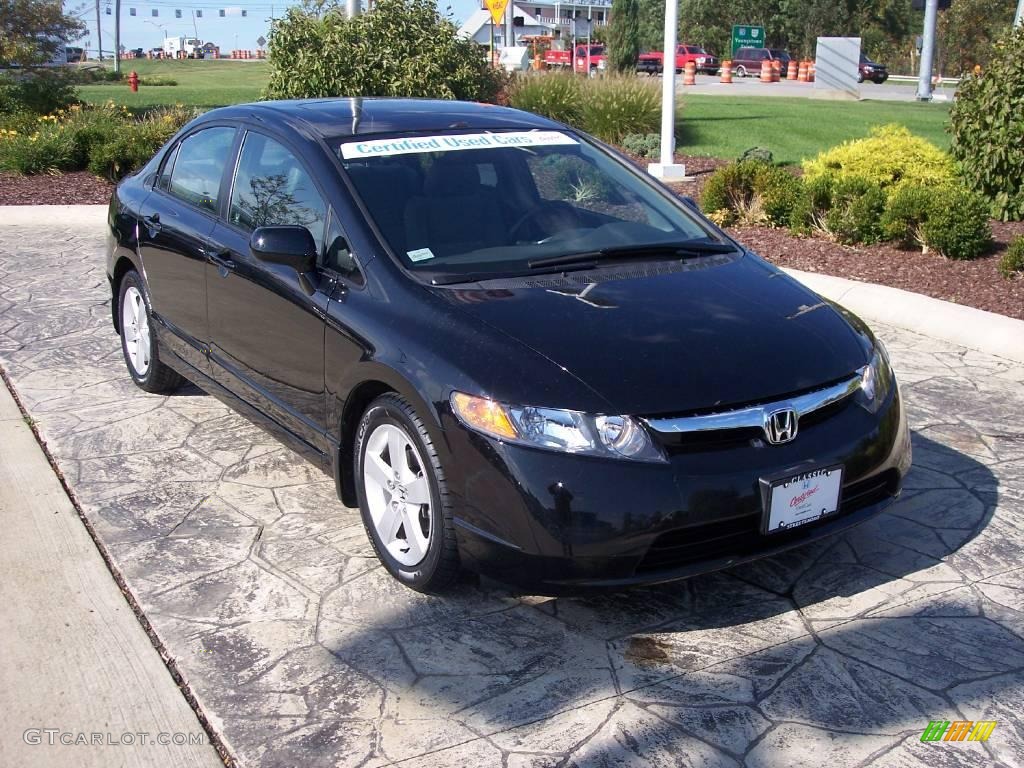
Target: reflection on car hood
{"x":657,"y":339}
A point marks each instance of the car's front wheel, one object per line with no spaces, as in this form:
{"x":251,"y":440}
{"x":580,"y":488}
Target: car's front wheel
{"x":138,"y":342}
{"x":741,"y":71}
{"x":403,"y":497}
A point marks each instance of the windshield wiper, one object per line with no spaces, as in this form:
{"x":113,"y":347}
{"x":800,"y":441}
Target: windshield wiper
{"x":669,"y":250}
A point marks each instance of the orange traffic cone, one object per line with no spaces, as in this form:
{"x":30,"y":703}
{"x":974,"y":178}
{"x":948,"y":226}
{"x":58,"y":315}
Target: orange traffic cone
{"x":690,"y":73}
{"x":791,"y":72}
{"x":801,"y":76}
{"x":727,"y":72}
{"x":766,"y":71}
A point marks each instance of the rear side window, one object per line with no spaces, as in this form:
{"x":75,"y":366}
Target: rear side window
{"x":272,"y":188}
{"x":199,"y":165}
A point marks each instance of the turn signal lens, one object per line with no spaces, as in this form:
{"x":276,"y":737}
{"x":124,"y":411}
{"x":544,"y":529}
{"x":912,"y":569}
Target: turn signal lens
{"x":483,"y":414}
{"x":555,"y":429}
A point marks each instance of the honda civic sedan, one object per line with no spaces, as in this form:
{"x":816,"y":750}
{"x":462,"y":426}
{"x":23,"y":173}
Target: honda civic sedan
{"x":514,"y":352}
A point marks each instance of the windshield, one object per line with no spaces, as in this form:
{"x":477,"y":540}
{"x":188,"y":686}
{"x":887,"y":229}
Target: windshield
{"x":478,"y":205}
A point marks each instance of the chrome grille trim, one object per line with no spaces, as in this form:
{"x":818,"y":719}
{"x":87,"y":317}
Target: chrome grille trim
{"x":754,"y":417}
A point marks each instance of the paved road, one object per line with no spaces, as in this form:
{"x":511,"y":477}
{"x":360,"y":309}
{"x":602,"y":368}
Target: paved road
{"x":751,"y":86}
{"x":303,"y":652}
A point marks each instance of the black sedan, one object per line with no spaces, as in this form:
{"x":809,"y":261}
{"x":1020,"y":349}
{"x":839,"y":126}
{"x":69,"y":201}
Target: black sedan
{"x":514,"y":352}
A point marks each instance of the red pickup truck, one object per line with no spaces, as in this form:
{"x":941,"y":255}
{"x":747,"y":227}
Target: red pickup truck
{"x":576,"y":58}
{"x":653,"y":63}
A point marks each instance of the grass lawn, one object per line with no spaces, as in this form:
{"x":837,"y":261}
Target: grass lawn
{"x":793,"y":129}
{"x":717,"y":126}
{"x":213,"y":83}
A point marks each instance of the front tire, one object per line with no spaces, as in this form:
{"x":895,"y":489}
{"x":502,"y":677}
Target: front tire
{"x":403,"y":497}
{"x":741,"y":71}
{"x":138,"y":343}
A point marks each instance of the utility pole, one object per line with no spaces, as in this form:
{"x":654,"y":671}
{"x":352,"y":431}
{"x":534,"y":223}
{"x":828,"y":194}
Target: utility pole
{"x":924,"y":80}
{"x":352,"y":8}
{"x":667,"y":169}
{"x":99,"y":30}
{"x":1019,"y":18}
{"x":117,"y":36}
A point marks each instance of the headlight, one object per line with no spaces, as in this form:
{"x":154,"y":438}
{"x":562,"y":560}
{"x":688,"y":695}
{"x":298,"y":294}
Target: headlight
{"x":619,"y":437}
{"x":602,"y":64}
{"x":876,"y":380}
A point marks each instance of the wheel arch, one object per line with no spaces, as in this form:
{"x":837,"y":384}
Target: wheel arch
{"x":122,"y":266}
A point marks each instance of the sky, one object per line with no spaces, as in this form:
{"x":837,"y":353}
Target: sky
{"x":144,"y":30}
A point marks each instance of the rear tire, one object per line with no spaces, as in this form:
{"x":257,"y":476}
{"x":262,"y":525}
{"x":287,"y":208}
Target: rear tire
{"x":403,"y":496}
{"x":138,"y":342}
{"x":741,"y":71}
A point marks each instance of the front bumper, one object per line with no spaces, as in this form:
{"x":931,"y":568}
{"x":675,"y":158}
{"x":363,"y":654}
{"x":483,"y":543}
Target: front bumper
{"x":554,"y":521}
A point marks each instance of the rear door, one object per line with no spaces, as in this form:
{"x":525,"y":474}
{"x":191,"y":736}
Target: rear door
{"x":177,"y":219}
{"x":266,"y":323}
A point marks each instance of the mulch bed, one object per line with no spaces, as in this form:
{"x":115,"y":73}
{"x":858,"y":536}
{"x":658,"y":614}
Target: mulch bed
{"x":973,"y":283}
{"x":78,"y":188}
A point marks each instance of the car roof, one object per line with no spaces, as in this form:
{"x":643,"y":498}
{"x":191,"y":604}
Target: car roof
{"x":340,"y":117}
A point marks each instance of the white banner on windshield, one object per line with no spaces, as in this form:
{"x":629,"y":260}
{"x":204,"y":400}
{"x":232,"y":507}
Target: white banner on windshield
{"x":453,"y":142}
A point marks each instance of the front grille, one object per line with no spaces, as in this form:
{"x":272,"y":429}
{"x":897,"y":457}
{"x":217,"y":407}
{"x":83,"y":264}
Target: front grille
{"x":740,"y":536}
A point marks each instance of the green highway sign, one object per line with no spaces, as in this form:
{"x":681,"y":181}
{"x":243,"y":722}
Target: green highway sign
{"x":747,"y":36}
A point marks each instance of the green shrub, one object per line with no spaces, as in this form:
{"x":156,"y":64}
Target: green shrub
{"x":759,"y":154}
{"x":957,"y":224}
{"x":905,"y":211}
{"x":987,"y":126}
{"x":856,"y":209}
{"x":751,"y":192}
{"x":555,"y":95}
{"x":890,"y":155}
{"x":811,"y":205}
{"x":642,"y":144}
{"x":49,"y":149}
{"x":615,"y":106}
{"x":157,"y":80}
{"x":39,"y":92}
{"x":400,"y":48}
{"x":131,"y":144}
{"x":1012,"y":262}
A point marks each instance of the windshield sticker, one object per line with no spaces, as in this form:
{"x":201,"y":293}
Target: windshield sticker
{"x":453,"y":142}
{"x":420,"y":254}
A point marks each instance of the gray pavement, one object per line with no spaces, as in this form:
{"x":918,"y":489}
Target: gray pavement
{"x":708,"y":85}
{"x":302,"y":651}
{"x":76,"y":664}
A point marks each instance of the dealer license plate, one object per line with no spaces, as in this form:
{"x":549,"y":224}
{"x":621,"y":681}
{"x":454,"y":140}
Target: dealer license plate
{"x":801,"y":499}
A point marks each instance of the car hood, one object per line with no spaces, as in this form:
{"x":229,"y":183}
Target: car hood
{"x":664,"y":338}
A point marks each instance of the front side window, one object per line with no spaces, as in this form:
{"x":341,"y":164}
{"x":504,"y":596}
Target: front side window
{"x":495,"y":204}
{"x":199,"y":166}
{"x":272,"y":187}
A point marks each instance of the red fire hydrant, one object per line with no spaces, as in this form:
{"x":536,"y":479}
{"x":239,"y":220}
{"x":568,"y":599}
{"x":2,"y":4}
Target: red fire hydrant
{"x":133,"y":81}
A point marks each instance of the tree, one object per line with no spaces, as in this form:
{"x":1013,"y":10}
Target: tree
{"x":624,"y":36}
{"x":400,"y":48}
{"x":32,"y":31}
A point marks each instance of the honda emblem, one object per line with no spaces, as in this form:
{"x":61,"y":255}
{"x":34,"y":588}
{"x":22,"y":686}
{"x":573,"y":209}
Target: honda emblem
{"x":780,"y":426}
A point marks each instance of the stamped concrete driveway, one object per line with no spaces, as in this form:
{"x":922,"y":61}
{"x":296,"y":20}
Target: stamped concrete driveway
{"x":302,"y":651}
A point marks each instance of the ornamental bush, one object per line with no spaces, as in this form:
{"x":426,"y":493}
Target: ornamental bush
{"x":751,"y":192}
{"x":1012,"y":262}
{"x":400,"y":48}
{"x":555,"y":95}
{"x":957,"y":223}
{"x":855,"y":210}
{"x":905,"y":212}
{"x":889,"y":156}
{"x":987,"y":126}
{"x":642,"y":144}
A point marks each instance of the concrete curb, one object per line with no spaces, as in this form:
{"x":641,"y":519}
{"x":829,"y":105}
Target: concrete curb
{"x":42,"y":215}
{"x":964,"y":326}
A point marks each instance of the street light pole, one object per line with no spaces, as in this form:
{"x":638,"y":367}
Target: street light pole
{"x":1019,"y":18}
{"x":99,"y":30}
{"x":924,"y":80}
{"x":667,"y":169}
{"x":117,"y":36}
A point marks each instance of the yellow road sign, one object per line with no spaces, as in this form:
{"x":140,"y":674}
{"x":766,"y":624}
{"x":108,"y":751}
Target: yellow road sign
{"x":497,"y":9}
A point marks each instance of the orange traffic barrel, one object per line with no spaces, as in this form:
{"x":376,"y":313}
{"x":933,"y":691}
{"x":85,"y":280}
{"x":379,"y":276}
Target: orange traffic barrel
{"x":690,"y":73}
{"x":776,"y":70}
{"x":801,"y":76}
{"x":791,"y":72}
{"x":766,"y":71}
{"x":727,"y":71}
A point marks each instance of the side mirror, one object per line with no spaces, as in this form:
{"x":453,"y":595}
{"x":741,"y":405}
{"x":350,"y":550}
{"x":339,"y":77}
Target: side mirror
{"x":291,"y":246}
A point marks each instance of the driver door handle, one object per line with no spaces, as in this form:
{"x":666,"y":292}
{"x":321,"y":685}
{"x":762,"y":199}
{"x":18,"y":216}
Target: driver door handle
{"x":152,"y":223}
{"x":220,"y":257}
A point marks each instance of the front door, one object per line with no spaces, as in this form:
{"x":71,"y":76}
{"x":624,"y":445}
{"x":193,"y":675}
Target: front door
{"x":266,"y":324}
{"x":177,"y":220}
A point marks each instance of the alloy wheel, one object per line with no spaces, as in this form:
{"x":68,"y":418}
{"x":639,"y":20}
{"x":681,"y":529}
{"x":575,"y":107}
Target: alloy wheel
{"x":135,"y":327}
{"x":398,"y":494}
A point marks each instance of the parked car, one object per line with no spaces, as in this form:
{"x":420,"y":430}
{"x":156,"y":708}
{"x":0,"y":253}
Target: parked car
{"x":872,"y":70}
{"x":653,"y":63}
{"x":503,"y":374}
{"x":74,"y":54}
{"x":747,"y":61}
